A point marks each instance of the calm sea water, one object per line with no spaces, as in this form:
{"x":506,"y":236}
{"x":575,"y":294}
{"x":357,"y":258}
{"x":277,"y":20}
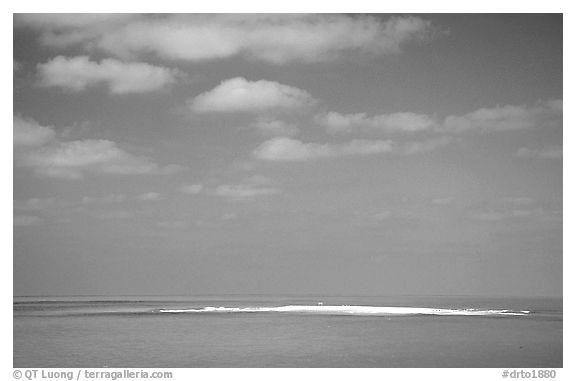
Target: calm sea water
{"x":132,"y":332}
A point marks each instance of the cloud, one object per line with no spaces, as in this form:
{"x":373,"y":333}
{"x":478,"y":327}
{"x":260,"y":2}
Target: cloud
{"x":29,"y":133}
{"x":172,"y":224}
{"x":259,"y":180}
{"x":532,"y":213}
{"x":273,"y":38}
{"x":150,"y":196}
{"x":396,"y":122}
{"x":20,"y":220}
{"x":275,"y":127}
{"x":519,"y":201}
{"x":229,"y":216}
{"x":43,"y":151}
{"x":423,"y":146}
{"x":191,"y":188}
{"x":112,"y":214}
{"x":118,"y":198}
{"x":103,"y":200}
{"x":73,"y":159}
{"x":78,"y":73}
{"x":488,"y":216}
{"x":78,"y":153}
{"x":442,"y":201}
{"x":514,"y":208}
{"x":544,"y":153}
{"x":34,"y":204}
{"x":62,"y":21}
{"x":253,"y":186}
{"x":287,"y":149}
{"x":239,"y":94}
{"x":484,"y":120}
{"x":506,"y":118}
{"x":244,"y":191}
{"x":71,"y":29}
{"x":372,"y":218}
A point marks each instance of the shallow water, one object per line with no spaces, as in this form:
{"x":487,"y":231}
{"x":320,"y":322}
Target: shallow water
{"x":133,"y":332}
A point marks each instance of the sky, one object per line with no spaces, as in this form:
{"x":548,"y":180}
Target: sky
{"x":288,"y":154}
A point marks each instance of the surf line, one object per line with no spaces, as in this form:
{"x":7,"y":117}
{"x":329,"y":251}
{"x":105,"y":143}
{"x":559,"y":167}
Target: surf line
{"x":352,"y":310}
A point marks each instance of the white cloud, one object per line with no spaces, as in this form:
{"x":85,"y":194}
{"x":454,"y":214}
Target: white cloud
{"x":239,"y":94}
{"x":371,"y":218}
{"x":71,"y":160}
{"x":34,"y":204}
{"x":43,"y":151}
{"x":78,"y":73}
{"x":29,"y":133}
{"x":103,"y":200}
{"x":519,"y":201}
{"x":507,"y":118}
{"x":112,"y":214}
{"x":229,"y":216}
{"x":340,"y":123}
{"x":423,"y":146}
{"x":21,"y":220}
{"x":514,"y":213}
{"x":191,"y":188}
{"x":249,"y":188}
{"x":272,"y":38}
{"x":59,"y":173}
{"x":70,"y":29}
{"x":244,"y":191}
{"x":484,"y":120}
{"x":395,"y":122}
{"x":544,"y":153}
{"x":488,"y":216}
{"x":514,"y":208}
{"x":78,"y":153}
{"x":287,"y":149}
{"x":61,"y":21}
{"x":442,"y":201}
{"x":275,"y":127}
{"x":172,"y":224}
{"x":259,"y":180}
{"x":523,"y":213}
{"x":150,"y":196}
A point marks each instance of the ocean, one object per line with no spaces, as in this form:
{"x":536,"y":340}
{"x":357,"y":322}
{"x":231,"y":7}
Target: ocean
{"x":287,"y":331}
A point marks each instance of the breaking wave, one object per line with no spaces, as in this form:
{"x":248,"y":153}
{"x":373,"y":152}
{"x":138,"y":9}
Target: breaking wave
{"x":350,"y":310}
